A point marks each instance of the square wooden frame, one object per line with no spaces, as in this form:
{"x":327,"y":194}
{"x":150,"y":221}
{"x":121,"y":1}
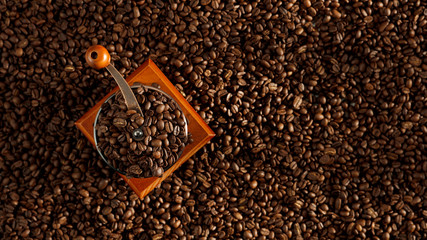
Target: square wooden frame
{"x":147,"y":74}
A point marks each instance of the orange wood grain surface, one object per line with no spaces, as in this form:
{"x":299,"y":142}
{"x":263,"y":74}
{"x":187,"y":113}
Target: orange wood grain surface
{"x":147,"y":74}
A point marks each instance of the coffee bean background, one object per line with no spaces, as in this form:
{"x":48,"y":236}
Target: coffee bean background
{"x":161,"y":123}
{"x":319,"y":108}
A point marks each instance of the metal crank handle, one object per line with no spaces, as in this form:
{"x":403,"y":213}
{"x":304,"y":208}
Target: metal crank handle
{"x":98,"y":57}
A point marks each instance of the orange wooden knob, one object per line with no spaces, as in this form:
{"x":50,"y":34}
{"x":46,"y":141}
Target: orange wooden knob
{"x":97,"y":57}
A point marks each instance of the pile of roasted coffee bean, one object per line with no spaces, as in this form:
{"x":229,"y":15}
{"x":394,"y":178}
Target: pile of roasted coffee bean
{"x":162,"y":137}
{"x":319,"y":109}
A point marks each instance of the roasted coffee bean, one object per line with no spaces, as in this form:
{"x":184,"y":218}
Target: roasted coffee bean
{"x":158,"y":172}
{"x":119,"y":122}
{"x":176,"y":130}
{"x":160,"y":125}
{"x":135,"y":169}
{"x":139,"y":121}
{"x":160,"y":108}
{"x":156,"y":143}
{"x":157,"y":154}
{"x":169,"y":127}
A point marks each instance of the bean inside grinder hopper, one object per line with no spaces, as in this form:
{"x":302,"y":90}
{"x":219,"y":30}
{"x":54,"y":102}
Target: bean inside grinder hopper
{"x":140,"y":153}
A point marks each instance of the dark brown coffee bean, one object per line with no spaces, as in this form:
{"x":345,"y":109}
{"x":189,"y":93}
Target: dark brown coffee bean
{"x":84,"y":193}
{"x":156,"y":143}
{"x":19,"y":52}
{"x":160,"y":108}
{"x":119,"y":122}
{"x":139,"y":121}
{"x":160,"y":125}
{"x":169,"y":127}
{"x":157,"y":154}
{"x":135,"y":169}
{"x":158,"y":172}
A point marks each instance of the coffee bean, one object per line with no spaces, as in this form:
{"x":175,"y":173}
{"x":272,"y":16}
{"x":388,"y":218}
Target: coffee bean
{"x":247,"y":234}
{"x":253,"y":184}
{"x":160,"y":125}
{"x":103,"y":184}
{"x":158,"y":172}
{"x":169,"y":127}
{"x":62,"y":220}
{"x":136,"y":12}
{"x":326,"y":159}
{"x":160,"y":108}
{"x":84,"y":193}
{"x":176,"y":130}
{"x":19,"y":52}
{"x":135,"y":169}
{"x":119,"y":122}
{"x":156,"y":143}
{"x":133,"y":146}
{"x":307,"y":3}
{"x":238,"y":216}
